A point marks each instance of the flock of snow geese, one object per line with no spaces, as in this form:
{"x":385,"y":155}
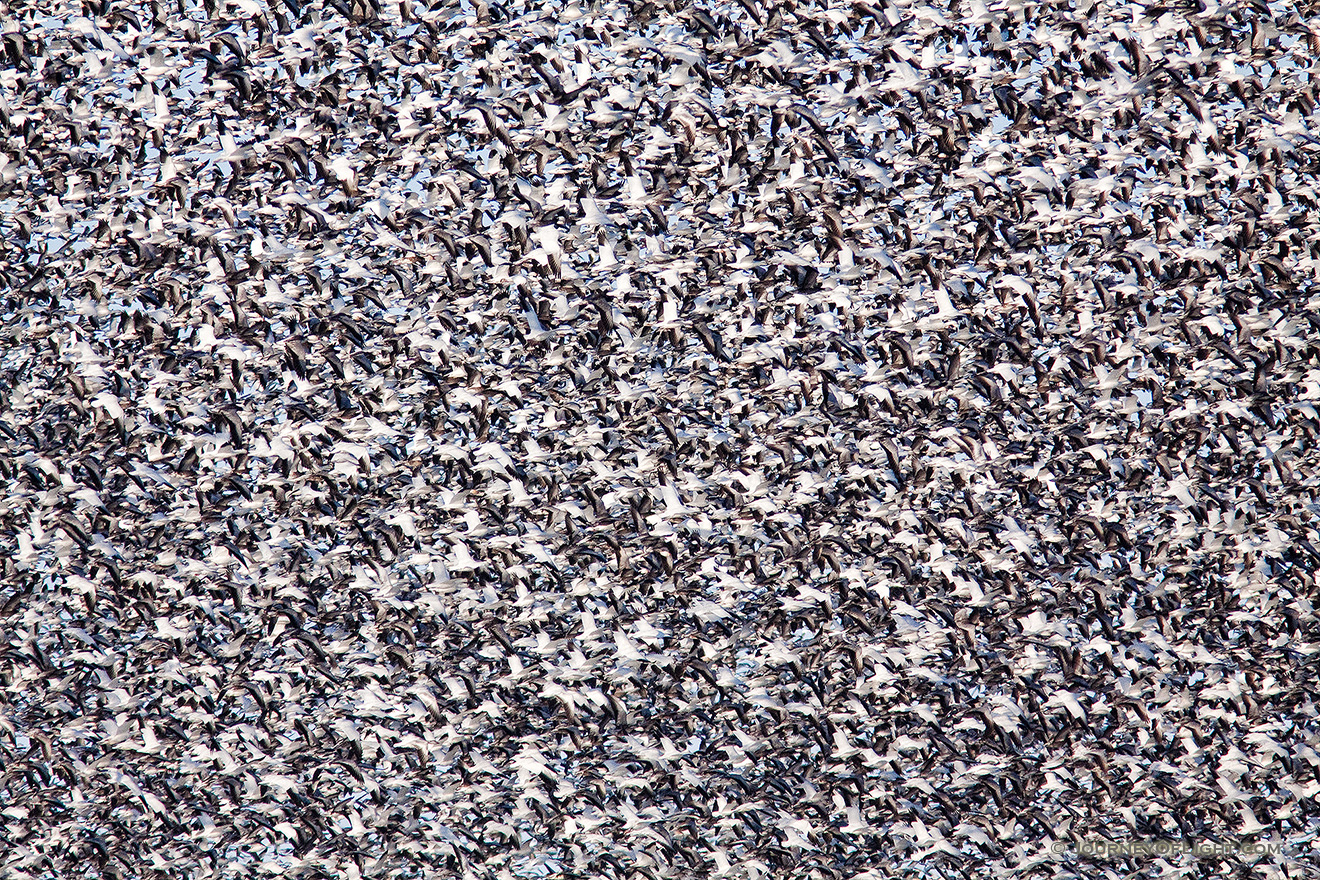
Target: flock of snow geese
{"x":623,"y":439}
